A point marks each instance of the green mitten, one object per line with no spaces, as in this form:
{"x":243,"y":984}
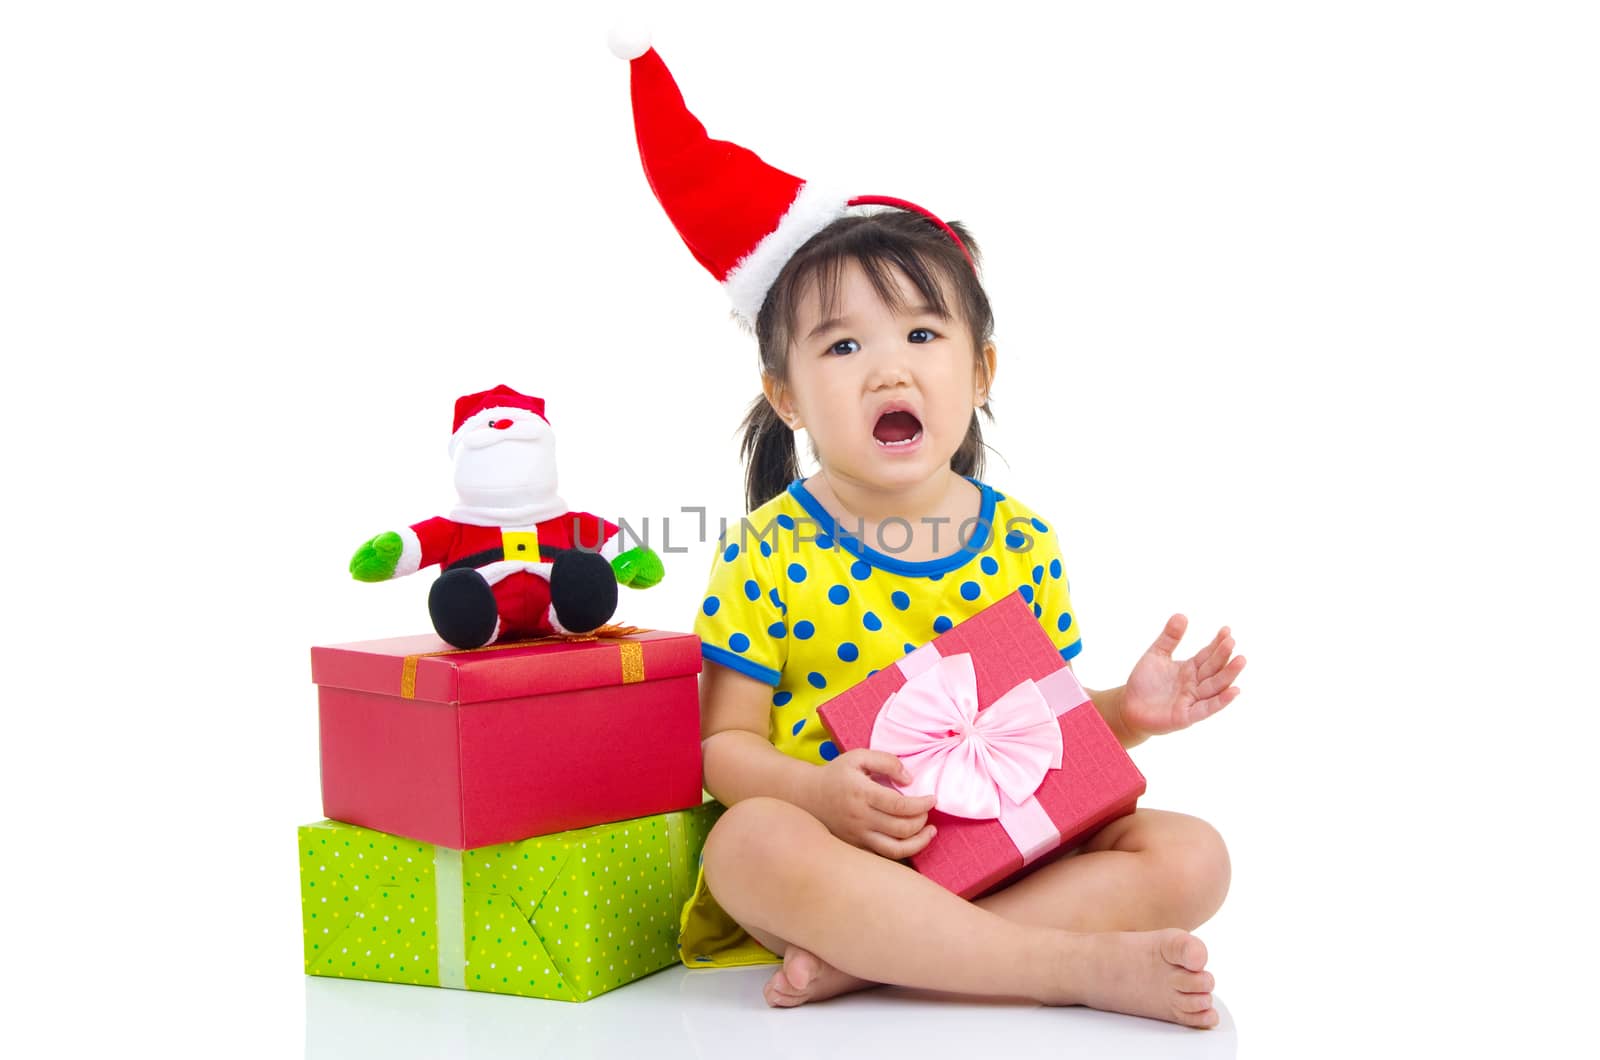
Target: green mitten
{"x":638,"y":568}
{"x":376,"y":560}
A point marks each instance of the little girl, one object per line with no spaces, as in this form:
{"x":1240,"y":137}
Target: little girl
{"x":874,"y":335}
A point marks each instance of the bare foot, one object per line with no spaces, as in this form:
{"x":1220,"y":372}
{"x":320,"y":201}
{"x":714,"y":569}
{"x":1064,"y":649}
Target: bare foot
{"x":806,"y":977}
{"x":1159,"y":974}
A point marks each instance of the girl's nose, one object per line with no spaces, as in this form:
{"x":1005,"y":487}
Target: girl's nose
{"x":500,"y":425}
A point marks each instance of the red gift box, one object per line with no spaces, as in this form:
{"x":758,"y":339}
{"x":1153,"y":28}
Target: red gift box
{"x":1046,"y":800}
{"x":465,"y":749}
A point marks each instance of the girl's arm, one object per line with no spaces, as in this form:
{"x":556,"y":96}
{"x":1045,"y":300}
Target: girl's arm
{"x":740,"y":761}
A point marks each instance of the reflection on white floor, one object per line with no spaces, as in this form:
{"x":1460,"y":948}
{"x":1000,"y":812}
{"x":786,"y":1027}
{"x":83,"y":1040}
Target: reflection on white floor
{"x":709,"y":1014}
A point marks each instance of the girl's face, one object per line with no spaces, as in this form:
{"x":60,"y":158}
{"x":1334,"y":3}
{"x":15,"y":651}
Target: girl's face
{"x":885,"y":394}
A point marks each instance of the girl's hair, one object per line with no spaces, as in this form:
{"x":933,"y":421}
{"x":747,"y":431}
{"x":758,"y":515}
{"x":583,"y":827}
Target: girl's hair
{"x":880,"y":243}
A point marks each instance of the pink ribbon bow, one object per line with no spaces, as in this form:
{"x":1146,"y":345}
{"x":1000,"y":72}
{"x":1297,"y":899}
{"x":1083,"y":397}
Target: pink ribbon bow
{"x":965,"y":757}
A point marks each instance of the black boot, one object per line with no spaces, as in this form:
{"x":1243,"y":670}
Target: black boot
{"x":583,"y":590}
{"x":463,"y":608}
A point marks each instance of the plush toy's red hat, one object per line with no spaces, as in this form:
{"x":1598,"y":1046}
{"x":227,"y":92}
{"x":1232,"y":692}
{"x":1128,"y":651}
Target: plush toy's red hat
{"x":741,"y":218}
{"x":501,"y":397}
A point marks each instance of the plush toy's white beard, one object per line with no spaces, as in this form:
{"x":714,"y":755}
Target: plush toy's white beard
{"x":512,"y":482}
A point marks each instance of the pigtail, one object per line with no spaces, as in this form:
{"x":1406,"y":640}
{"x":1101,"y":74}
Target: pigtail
{"x":768,"y":453}
{"x":968,"y":460}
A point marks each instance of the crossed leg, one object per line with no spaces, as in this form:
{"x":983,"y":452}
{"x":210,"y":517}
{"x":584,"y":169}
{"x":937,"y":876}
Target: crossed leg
{"x":844,"y":918}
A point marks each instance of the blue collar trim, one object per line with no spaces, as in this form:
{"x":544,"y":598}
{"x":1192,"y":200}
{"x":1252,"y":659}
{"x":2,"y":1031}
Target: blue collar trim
{"x":882,"y":560}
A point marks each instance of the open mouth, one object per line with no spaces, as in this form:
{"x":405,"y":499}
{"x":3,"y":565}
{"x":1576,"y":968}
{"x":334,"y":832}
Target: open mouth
{"x":897,"y":429}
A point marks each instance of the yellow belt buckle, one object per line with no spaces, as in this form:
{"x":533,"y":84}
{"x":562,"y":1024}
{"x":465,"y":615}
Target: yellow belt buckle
{"x":521,"y":544}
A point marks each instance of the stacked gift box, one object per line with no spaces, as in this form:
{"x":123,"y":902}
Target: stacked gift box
{"x":523,"y":818}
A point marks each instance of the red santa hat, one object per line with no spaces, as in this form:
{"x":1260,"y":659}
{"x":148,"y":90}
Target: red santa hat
{"x":487,"y":405}
{"x":741,"y":218}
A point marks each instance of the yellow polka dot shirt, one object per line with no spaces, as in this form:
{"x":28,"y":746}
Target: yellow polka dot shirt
{"x":812,"y":609}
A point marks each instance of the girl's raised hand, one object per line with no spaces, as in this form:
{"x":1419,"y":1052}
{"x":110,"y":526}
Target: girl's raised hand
{"x":1164,"y":695}
{"x":867,"y":814}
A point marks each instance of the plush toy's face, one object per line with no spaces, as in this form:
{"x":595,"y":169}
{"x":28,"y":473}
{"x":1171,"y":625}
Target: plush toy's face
{"x":505,"y":458}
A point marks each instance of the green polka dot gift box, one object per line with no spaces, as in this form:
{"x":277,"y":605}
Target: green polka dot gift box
{"x":565,"y":916}
{"x":489,"y":745}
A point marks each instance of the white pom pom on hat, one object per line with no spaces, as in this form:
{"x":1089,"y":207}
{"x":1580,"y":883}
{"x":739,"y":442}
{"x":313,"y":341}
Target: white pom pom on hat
{"x":628,"y":40}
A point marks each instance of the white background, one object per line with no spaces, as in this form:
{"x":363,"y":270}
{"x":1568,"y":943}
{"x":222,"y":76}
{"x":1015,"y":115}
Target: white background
{"x":1297,"y":318}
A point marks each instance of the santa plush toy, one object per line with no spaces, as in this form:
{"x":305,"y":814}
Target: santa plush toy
{"x":517,"y":561}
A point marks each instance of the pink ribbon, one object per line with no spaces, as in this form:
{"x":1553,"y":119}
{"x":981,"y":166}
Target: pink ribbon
{"x":981,"y":764}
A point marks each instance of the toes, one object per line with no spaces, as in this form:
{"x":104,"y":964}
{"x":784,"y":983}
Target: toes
{"x":778,"y":997}
{"x":1194,"y":982}
{"x":1184,"y":950}
{"x":1192,"y":1003}
{"x":800,"y":969}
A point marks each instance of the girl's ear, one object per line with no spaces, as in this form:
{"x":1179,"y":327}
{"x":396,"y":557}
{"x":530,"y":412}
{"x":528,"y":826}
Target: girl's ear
{"x":983,"y":378}
{"x":782,"y":403}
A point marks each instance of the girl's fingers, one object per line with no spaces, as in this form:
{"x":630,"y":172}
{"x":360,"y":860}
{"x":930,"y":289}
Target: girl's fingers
{"x":892,"y":802}
{"x":1215,"y":654}
{"x":882,"y":763}
{"x":1217,"y":682}
{"x":1167,"y":643}
{"x":896,"y":827}
{"x":891,"y":847}
{"x":1207,"y":707}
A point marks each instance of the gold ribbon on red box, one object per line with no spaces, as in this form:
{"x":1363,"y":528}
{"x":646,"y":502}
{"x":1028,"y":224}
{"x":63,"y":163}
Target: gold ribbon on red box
{"x":631,"y":653}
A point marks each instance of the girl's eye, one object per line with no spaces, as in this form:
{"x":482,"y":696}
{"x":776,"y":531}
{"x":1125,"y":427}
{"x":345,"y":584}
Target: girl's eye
{"x":921,"y":335}
{"x":845,"y":346}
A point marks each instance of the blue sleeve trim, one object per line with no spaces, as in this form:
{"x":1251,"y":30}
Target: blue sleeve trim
{"x":738,"y":662}
{"x":1071,"y":650}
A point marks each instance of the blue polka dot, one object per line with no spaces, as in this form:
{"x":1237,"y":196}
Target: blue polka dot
{"x":849,"y":652}
{"x":910,"y":648}
{"x":970,"y":590}
{"x":871,"y":672}
{"x":838,"y":594}
{"x":1038,"y":575}
{"x":797,"y":573}
{"x":817,"y":680}
{"x":1027,"y":592}
{"x":1055,"y":568}
{"x":872,"y":621}
{"x":1064,"y":621}
{"x":786,"y":521}
{"x":780,"y":698}
{"x":739,"y":643}
{"x":1037,"y":525}
{"x":797,"y":727}
{"x":1015,"y":540}
{"x":900,"y":600}
{"x":942,"y":623}
{"x":752,"y":590}
{"x":772,"y":594}
{"x":777,"y":630}
{"x":804,"y":629}
{"x":710,"y":606}
{"x":766,"y":549}
{"x":989,"y":565}
{"x":860,"y":570}
{"x":936,"y":577}
{"x":825,"y":542}
{"x":1038,"y":611}
{"x":730,"y":552}
{"x":829,"y":750}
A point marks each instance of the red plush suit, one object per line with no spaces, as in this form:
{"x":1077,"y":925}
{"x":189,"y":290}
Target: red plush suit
{"x":515,"y":561}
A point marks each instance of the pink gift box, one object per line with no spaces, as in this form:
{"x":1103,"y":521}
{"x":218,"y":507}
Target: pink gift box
{"x":465,"y":749}
{"x":1089,"y":782}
